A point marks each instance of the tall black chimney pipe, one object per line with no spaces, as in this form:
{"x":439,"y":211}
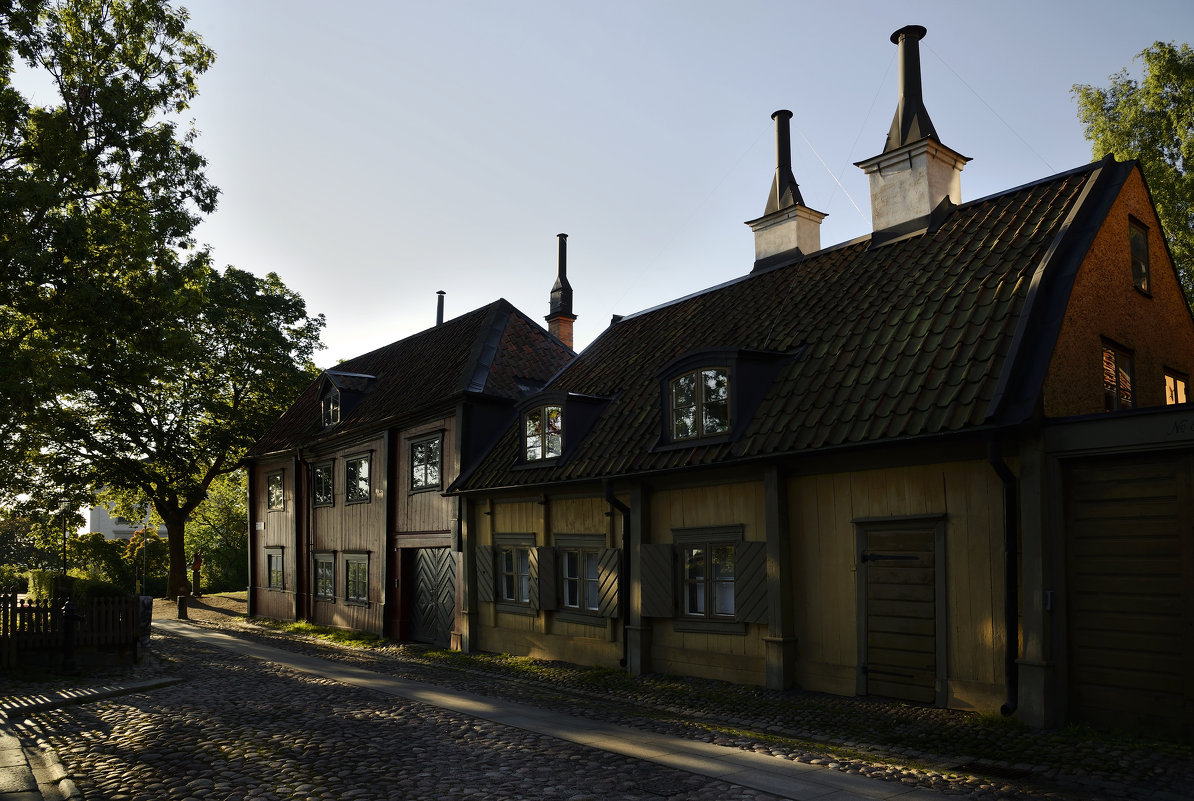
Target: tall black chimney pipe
{"x":911,"y":121}
{"x":439,"y":308}
{"x":784,"y":190}
{"x":561,"y":291}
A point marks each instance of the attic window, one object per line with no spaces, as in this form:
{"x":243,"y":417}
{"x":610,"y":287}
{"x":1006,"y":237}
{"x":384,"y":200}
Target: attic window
{"x":543,"y":429}
{"x":700,"y":403}
{"x":1138,"y":244}
{"x":330,"y":408}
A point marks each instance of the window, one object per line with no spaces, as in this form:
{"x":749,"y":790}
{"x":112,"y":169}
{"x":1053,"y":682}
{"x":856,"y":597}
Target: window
{"x":1117,"y":378}
{"x":425,"y":461}
{"x":273,"y":567}
{"x":708,"y":580}
{"x":322,"y":489}
{"x":275,"y":496}
{"x":356,"y":578}
{"x":580,"y":572}
{"x":330,"y":408}
{"x":1138,"y":245}
{"x":356,"y":479}
{"x":325,"y":577}
{"x":1175,"y":388}
{"x":514,"y":575}
{"x":544,"y":433}
{"x":700,"y":404}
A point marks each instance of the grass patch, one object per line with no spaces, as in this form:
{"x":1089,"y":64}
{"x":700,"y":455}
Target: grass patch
{"x":357,"y":639}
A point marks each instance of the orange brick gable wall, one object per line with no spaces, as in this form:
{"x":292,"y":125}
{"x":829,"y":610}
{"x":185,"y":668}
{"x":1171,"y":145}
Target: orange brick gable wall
{"x":1104,"y":303}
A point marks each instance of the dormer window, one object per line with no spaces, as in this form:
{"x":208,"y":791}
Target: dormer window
{"x":700,"y":404}
{"x":330,"y":408}
{"x":543,"y":433}
{"x":1138,"y":244}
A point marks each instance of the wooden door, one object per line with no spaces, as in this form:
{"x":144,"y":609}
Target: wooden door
{"x":435,"y":596}
{"x":1130,"y":593}
{"x":901,"y":644}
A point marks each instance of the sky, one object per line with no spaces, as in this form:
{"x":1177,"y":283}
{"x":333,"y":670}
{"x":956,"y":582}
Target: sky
{"x":372,"y":153}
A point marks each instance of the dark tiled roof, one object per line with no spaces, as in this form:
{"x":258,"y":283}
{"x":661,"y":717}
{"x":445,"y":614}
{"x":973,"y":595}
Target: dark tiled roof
{"x":487,"y":351}
{"x":904,"y":340}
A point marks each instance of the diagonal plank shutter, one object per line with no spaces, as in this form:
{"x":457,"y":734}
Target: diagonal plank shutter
{"x":608,"y":561}
{"x":658,"y":577}
{"x":750,"y":582}
{"x":543,"y":578}
{"x":485,"y":586}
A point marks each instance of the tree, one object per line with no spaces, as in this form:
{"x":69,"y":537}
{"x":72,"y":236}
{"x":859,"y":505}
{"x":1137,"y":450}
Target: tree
{"x":99,"y":194}
{"x":1152,"y":120}
{"x":162,"y":424}
{"x":219,"y":530}
{"x":127,"y":360}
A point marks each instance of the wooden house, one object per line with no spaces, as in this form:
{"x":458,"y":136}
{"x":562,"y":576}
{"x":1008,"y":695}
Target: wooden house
{"x":866,"y":469}
{"x":348,"y":523}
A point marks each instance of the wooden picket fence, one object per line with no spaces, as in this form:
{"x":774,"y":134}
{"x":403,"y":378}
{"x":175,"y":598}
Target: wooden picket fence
{"x":27,"y":625}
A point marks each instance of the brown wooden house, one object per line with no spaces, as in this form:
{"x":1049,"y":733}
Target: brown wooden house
{"x":348,"y":523}
{"x":854,"y":468}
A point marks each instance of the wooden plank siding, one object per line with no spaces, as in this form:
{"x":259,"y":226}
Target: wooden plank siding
{"x":1130,"y":593}
{"x":822,"y":513}
{"x":352,"y":528}
{"x":426,"y":511}
{"x":544,"y":634}
{"x":277,"y":532}
{"x":740,"y":657}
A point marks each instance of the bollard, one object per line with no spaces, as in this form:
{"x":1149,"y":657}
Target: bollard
{"x":182,"y":607}
{"x":70,"y":619}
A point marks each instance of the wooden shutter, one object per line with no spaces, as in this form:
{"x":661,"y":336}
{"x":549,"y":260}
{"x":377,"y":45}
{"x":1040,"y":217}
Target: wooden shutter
{"x":658,"y":576}
{"x":608,"y":563}
{"x":750,"y":582}
{"x":485,"y":583}
{"x":543,"y":578}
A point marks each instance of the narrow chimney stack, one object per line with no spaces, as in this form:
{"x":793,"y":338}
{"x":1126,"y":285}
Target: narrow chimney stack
{"x":915,"y":173}
{"x":559,"y":313}
{"x":788,"y":228}
{"x":439,"y":307}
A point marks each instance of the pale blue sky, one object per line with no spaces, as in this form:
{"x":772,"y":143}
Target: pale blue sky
{"x":373,"y":153}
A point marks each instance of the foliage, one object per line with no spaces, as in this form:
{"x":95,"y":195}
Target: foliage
{"x":219,"y":530}
{"x":126,"y":359}
{"x":42,"y":583}
{"x":357,"y":639}
{"x":31,"y":537}
{"x":13,"y":578}
{"x":1152,"y":120}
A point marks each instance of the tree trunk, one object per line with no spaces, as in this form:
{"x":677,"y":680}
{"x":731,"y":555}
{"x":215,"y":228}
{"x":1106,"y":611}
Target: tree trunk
{"x":178,"y":584}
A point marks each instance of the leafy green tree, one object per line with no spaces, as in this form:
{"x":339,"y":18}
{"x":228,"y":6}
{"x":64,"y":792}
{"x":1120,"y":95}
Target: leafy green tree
{"x":161,"y":426}
{"x":100,"y":190}
{"x":1152,"y":120}
{"x":126,"y":359}
{"x":219,"y":530}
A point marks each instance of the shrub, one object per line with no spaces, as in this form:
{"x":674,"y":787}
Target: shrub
{"x":13,"y":578}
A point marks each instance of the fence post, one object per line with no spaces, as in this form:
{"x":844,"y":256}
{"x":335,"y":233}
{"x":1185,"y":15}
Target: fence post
{"x":70,"y":619}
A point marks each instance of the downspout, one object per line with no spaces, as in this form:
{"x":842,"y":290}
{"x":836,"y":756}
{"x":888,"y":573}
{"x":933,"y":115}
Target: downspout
{"x":1011,"y":588}
{"x":624,"y":580}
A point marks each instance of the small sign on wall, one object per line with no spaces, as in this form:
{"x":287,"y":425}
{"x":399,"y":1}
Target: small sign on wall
{"x":260,"y":526}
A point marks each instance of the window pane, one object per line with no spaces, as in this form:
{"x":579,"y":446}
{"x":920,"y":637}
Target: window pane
{"x":273,"y":491}
{"x":684,"y":391}
{"x":1138,"y":241}
{"x":694,"y":563}
{"x":723,"y":598}
{"x":356,"y":479}
{"x":1175,"y":390}
{"x":715,"y":418}
{"x":694,"y":601}
{"x":534,"y":435}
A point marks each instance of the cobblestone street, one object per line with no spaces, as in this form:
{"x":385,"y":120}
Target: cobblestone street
{"x":243,"y":729}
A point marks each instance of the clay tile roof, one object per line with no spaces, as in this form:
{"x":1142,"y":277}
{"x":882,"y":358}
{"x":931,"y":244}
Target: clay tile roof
{"x":494,"y":351}
{"x":908,"y":339}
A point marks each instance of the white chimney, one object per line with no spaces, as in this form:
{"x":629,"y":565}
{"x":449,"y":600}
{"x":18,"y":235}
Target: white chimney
{"x":915,"y":172}
{"x":787,"y":225}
